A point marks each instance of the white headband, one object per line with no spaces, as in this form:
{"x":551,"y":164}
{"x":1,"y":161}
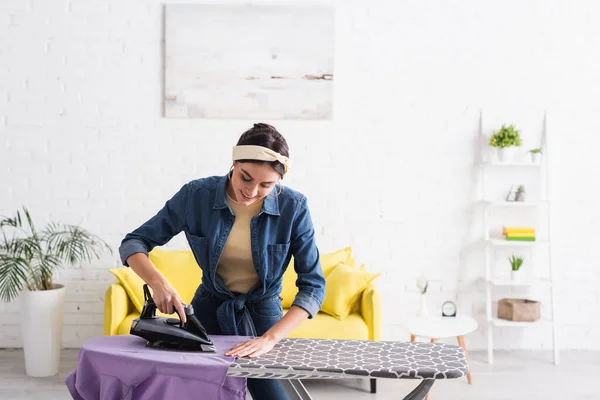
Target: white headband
{"x":259,"y":153}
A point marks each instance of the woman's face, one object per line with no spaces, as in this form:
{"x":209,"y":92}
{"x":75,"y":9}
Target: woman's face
{"x":251,"y":182}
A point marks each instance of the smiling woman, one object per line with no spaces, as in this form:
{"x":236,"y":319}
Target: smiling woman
{"x":261,"y":160}
{"x":243,"y":228}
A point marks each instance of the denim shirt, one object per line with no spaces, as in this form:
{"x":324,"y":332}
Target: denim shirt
{"x":283,"y":228}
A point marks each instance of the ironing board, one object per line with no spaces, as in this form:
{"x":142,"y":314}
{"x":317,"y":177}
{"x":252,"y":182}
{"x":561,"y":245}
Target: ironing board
{"x":295,"y":359}
{"x":108,"y":367}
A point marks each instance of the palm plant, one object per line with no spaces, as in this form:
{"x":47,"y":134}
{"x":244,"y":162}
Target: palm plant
{"x":28,"y":258}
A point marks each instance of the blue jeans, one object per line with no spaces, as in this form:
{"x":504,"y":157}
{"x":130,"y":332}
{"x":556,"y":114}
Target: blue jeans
{"x":264,"y":315}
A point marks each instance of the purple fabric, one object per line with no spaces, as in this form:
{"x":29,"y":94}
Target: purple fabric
{"x":122,"y":367}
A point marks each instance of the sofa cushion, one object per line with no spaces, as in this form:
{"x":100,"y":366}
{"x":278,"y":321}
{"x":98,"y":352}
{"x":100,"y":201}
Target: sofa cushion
{"x":132,"y":284}
{"x":328,"y":263}
{"x":324,"y":326}
{"x":181,"y":270}
{"x":344,"y":287}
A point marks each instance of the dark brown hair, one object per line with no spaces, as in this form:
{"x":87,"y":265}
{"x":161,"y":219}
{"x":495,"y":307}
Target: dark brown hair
{"x":265,"y":135}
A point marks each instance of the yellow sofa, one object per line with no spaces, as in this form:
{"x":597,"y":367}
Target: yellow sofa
{"x":352,"y":307}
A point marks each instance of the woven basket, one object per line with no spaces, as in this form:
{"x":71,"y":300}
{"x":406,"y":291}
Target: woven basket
{"x":521,"y":310}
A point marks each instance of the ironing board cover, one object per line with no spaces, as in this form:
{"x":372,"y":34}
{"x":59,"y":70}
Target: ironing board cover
{"x":326,"y":358}
{"x":122,"y":367}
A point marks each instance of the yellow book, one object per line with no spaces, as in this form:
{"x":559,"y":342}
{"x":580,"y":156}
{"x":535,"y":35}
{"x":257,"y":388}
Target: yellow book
{"x":507,"y":230}
{"x":520,"y":235}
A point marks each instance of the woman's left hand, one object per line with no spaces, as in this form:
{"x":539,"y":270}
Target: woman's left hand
{"x":253,"y":347}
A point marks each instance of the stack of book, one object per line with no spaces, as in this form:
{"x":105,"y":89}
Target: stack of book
{"x":524,"y":234}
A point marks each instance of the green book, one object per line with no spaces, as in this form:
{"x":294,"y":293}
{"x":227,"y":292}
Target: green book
{"x":521,"y":239}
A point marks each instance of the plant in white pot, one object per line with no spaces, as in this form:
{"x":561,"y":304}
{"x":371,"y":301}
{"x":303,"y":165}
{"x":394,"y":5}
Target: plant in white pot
{"x":515,"y":266}
{"x":28,"y":260}
{"x":506,"y":140}
{"x":536,"y":154}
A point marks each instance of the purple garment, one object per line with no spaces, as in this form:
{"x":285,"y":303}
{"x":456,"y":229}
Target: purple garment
{"x":122,"y":367}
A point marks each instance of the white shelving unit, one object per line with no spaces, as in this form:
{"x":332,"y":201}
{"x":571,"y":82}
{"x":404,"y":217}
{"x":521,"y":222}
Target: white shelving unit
{"x":492,"y":243}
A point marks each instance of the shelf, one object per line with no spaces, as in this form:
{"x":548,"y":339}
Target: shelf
{"x":512,"y":164}
{"x":502,"y":322}
{"x":522,"y":283}
{"x":514,"y":243}
{"x":516,"y":204}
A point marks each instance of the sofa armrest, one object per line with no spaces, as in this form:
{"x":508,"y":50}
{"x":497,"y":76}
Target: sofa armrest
{"x":116,"y":308}
{"x":371,"y":312}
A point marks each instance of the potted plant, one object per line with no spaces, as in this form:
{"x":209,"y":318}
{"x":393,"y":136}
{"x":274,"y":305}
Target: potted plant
{"x":422,"y":285}
{"x":28,"y":261}
{"x":506,"y":140}
{"x":520,"y":193}
{"x":536,"y":154}
{"x":515,"y":265}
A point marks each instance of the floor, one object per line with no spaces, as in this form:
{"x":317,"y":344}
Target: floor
{"x":515,"y":376}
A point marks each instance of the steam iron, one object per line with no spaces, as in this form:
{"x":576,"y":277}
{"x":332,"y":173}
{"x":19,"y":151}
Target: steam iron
{"x":170,"y":333}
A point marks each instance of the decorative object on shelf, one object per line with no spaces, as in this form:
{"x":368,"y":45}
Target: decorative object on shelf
{"x":536,"y":154}
{"x":28,"y":261}
{"x":515,"y":266}
{"x":449,"y":309}
{"x":422,"y":285}
{"x":520,"y":196}
{"x":519,"y":310}
{"x":525,"y":234}
{"x":512,"y":193}
{"x":506,"y":140}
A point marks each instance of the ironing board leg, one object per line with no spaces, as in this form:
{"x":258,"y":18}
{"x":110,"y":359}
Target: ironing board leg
{"x":298,"y":390}
{"x":420,"y":391}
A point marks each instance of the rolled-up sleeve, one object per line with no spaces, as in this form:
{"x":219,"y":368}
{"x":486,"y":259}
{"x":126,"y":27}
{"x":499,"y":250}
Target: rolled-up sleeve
{"x":158,"y":230}
{"x":310,"y":282}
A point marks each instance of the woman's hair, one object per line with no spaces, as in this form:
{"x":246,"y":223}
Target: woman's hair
{"x":265,"y":135}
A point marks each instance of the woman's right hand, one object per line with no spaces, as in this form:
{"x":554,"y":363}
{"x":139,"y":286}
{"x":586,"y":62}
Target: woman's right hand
{"x":167,"y":300}
{"x":165,"y":297}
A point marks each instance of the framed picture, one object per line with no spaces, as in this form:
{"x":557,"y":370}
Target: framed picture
{"x":249,"y":61}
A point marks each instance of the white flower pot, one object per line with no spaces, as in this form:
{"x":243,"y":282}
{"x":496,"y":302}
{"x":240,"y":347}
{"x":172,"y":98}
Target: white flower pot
{"x":535,"y":157}
{"x":515,"y":276}
{"x":507,"y":154}
{"x":41,"y":329}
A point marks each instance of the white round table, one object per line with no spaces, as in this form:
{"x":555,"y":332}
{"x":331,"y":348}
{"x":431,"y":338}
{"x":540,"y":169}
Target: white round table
{"x":438,"y":327}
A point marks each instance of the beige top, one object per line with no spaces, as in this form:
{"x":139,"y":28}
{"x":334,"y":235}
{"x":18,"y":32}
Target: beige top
{"x":236,"y":267}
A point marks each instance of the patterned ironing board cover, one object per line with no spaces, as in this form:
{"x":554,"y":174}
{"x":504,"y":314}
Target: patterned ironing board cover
{"x":299,"y":358}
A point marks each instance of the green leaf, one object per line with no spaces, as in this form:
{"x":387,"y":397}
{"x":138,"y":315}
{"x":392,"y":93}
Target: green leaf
{"x":13,"y":277}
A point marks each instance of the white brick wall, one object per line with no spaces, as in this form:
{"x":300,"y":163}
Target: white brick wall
{"x":82,"y":141}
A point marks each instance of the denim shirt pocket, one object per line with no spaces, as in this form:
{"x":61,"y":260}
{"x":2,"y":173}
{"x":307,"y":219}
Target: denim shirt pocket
{"x":277,"y":254}
{"x":201,"y":250}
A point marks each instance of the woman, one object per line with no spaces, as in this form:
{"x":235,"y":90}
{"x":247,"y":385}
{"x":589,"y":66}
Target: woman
{"x":243,"y":229}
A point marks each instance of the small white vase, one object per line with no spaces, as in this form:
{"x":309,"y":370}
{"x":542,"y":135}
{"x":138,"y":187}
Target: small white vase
{"x":423,"y":310}
{"x":535,"y":157}
{"x":41,"y":329}
{"x":515,"y":276}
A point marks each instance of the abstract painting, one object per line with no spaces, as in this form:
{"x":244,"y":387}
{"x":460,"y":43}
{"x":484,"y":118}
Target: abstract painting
{"x":249,"y":61}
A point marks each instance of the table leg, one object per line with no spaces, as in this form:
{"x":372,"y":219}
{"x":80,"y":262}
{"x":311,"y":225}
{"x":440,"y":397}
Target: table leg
{"x":461,"y":343}
{"x":412,"y":338}
{"x":422,"y":391}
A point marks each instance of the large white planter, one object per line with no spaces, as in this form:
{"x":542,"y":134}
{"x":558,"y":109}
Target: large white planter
{"x":41,"y":327}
